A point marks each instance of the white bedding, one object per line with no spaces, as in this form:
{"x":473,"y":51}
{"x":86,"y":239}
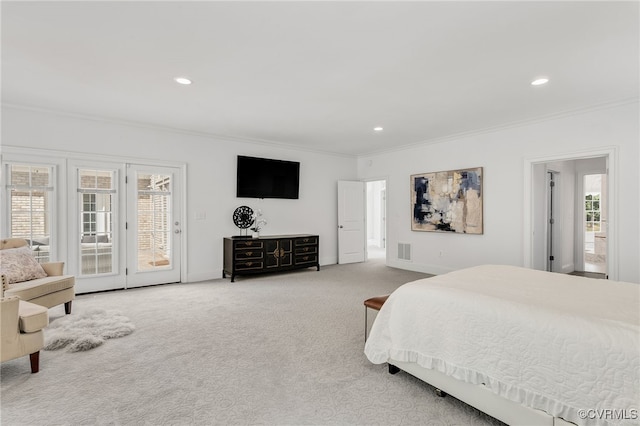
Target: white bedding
{"x":553,"y":342}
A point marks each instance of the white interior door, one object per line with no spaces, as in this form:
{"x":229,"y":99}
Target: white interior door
{"x":351,"y":222}
{"x":154,"y":225}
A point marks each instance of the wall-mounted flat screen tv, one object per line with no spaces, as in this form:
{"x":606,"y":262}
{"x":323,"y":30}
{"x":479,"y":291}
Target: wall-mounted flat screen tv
{"x":267,"y":178}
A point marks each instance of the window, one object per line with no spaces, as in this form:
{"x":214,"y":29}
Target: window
{"x":96,"y":195}
{"x":88,"y":214}
{"x":592,"y":212}
{"x":31,"y":189}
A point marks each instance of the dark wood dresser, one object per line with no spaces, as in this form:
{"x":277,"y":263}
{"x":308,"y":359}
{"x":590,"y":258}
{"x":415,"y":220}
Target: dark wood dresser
{"x":274,"y":253}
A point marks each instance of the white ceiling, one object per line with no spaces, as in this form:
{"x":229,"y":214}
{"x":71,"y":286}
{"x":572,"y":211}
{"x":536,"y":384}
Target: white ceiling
{"x":320,"y":75}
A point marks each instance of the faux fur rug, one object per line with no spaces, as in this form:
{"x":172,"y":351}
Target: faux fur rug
{"x":86,"y":330}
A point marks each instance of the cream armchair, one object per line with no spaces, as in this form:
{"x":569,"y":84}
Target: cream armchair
{"x":21,"y":334}
{"x":48,"y":291}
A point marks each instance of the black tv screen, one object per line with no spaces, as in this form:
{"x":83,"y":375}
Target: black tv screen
{"x":267,"y":178}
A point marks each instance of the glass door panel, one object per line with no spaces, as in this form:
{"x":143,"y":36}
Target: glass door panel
{"x":96,"y":194}
{"x":154,"y":227}
{"x":154,"y":215}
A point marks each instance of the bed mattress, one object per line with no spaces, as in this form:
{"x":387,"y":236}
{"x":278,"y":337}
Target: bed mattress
{"x":567,"y":345}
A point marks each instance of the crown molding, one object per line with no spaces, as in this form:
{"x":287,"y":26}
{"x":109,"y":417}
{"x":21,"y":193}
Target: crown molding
{"x":157,"y":127}
{"x":506,"y":126}
{"x":283,"y":145}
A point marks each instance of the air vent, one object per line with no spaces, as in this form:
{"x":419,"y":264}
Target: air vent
{"x":404,"y":251}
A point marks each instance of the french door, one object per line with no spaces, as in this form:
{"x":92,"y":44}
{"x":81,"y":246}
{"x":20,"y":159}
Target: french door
{"x":153,"y":225}
{"x":127,"y":225}
{"x":96,"y":226}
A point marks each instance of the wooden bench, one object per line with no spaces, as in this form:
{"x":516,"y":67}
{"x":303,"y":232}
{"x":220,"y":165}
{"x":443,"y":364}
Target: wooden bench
{"x":372,"y":303}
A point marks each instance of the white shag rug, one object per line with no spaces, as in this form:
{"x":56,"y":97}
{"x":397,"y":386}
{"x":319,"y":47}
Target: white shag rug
{"x":86,"y":330}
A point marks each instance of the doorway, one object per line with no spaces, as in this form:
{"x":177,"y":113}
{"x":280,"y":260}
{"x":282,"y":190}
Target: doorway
{"x":575,"y":222}
{"x":376,"y":199}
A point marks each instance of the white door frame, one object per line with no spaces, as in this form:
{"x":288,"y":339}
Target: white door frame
{"x":611,"y":153}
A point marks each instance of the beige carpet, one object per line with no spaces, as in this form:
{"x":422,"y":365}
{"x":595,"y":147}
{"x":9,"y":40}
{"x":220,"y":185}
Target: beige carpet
{"x":282,"y":349}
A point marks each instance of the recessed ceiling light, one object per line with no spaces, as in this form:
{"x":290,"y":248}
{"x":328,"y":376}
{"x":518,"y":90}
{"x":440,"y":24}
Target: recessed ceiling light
{"x":540,"y":81}
{"x":182,"y":80}
{"x":378,"y":129}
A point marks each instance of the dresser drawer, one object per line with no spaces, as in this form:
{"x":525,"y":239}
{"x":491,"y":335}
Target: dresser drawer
{"x":246,"y":254}
{"x":306,"y":258}
{"x":306,"y":250}
{"x":249,"y":265}
{"x":306,"y":241}
{"x":248,"y":244}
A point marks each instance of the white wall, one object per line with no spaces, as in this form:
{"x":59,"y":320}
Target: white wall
{"x":502,"y":154}
{"x":211,"y":175}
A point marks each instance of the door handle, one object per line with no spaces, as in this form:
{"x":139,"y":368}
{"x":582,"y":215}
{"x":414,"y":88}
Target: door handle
{"x":340,"y":226}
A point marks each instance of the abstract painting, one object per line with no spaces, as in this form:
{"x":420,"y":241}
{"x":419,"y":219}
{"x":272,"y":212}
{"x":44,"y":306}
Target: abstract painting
{"x":448,"y":201}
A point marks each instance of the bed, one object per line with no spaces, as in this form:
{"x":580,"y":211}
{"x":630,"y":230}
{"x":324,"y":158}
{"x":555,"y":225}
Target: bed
{"x":524,"y":346}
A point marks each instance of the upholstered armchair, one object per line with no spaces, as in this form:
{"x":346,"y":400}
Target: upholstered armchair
{"x":21,"y":334}
{"x":43,"y":284}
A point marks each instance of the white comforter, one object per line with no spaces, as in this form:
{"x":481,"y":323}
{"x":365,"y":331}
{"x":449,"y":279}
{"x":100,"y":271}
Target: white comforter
{"x":567,"y":345}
